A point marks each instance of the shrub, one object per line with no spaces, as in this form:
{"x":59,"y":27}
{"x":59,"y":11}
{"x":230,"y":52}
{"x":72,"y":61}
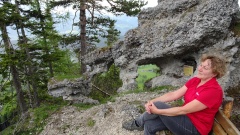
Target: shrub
{"x":106,"y":84}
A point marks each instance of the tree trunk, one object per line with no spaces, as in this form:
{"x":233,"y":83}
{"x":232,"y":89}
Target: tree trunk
{"x":18,"y":87}
{"x":16,"y":81}
{"x":83,"y":33}
{"x":32,"y":81}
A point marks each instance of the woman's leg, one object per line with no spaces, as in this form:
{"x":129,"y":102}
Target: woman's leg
{"x":152,"y":122}
{"x":154,"y":125}
{"x":146,"y":116}
{"x":177,"y":124}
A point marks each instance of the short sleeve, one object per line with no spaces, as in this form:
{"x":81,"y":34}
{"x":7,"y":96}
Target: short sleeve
{"x":210,"y":96}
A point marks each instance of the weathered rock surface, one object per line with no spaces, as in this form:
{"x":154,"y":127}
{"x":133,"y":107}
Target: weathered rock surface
{"x":76,"y":91}
{"x":171,"y":35}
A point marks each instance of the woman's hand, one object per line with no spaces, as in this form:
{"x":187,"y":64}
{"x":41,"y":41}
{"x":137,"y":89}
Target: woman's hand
{"x":153,"y":109}
{"x":147,"y":107}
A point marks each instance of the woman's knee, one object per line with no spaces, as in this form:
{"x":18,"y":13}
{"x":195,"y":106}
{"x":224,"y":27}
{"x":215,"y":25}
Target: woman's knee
{"x":161,"y":105}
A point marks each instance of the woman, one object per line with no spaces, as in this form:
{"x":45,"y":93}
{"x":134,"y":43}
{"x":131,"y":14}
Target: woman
{"x":202,"y":99}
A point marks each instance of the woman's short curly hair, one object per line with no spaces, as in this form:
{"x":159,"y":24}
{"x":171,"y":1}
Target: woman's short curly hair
{"x":218,"y":64}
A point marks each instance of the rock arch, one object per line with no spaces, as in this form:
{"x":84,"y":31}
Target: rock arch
{"x":171,"y":35}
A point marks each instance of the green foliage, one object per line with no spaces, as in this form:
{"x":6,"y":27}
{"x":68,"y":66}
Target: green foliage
{"x":112,"y":34}
{"x":101,"y":26}
{"x":47,"y":99}
{"x":8,"y":100}
{"x":42,"y":112}
{"x":155,"y":89}
{"x":108,"y":82}
{"x":82,"y":106}
{"x":98,"y":25}
{"x":145,"y":73}
{"x":178,"y":102}
{"x":7,"y":110}
{"x":160,"y":88}
{"x":36,"y":121}
{"x":66,"y":67}
{"x":90,"y":122}
{"x":45,"y":54}
{"x":130,"y":8}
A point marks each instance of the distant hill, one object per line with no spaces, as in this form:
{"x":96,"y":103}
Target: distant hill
{"x":123,"y":24}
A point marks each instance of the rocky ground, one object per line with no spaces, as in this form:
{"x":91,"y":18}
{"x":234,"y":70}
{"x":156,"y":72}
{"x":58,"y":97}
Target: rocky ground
{"x":104,"y":119}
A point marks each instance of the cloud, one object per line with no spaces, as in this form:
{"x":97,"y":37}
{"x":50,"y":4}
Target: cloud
{"x":124,"y":23}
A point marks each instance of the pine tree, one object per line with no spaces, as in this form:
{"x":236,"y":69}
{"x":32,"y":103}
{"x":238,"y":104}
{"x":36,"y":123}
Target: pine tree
{"x":29,"y":68}
{"x":30,"y":58}
{"x":7,"y":18}
{"x":112,"y":34}
{"x":95,"y":25}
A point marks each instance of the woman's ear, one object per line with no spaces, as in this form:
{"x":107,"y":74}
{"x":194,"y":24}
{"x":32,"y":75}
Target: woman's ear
{"x":214,"y":75}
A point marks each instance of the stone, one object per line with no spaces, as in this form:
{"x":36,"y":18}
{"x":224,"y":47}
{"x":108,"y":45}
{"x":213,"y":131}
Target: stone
{"x":171,"y":34}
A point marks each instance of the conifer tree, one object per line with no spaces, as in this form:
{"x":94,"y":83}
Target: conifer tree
{"x":30,"y":58}
{"x":112,"y":34}
{"x":90,"y":26}
{"x":28,"y":63}
{"x":7,"y":18}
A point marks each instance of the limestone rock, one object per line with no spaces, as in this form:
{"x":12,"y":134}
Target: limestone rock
{"x":170,"y":36}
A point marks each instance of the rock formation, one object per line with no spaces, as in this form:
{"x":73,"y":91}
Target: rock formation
{"x":75,"y":91}
{"x":171,"y":35}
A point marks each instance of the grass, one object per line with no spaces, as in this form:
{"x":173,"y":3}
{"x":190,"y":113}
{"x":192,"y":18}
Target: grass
{"x":90,"y":122}
{"x":145,"y":73}
{"x":35,"y":119}
{"x":63,"y":77}
{"x":82,"y":106}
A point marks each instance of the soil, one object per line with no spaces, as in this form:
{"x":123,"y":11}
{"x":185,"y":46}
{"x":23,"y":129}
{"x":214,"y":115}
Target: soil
{"x":105,"y":119}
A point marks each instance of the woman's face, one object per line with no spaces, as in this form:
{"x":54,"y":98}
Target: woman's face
{"x":205,"y":70}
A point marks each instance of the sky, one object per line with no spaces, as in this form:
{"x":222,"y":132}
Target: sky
{"x":123,"y":23}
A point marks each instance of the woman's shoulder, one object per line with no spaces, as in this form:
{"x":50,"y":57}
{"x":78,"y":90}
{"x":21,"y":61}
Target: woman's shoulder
{"x":192,"y":81}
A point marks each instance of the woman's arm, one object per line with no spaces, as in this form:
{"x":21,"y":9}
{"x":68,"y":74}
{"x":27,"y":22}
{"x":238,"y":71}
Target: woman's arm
{"x":193,"y":106}
{"x":170,"y":96}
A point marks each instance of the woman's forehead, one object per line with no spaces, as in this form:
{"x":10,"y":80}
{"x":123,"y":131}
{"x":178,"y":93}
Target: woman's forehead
{"x":207,"y":62}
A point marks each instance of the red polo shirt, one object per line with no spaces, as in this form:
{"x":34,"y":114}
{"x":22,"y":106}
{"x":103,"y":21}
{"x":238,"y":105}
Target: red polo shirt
{"x":211,"y":95}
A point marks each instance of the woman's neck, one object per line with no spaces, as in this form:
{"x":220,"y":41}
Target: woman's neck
{"x":203,"y":82}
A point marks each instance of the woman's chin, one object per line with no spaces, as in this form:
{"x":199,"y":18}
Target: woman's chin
{"x":198,"y":76}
